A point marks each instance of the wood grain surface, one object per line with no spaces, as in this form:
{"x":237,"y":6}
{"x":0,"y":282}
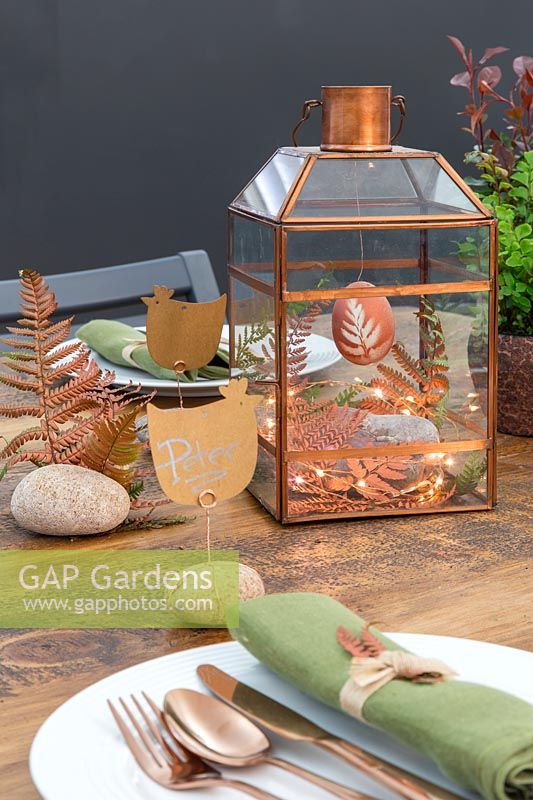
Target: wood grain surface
{"x":460,"y":574}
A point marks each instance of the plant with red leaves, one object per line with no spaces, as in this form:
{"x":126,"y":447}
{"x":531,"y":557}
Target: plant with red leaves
{"x":481,"y":81}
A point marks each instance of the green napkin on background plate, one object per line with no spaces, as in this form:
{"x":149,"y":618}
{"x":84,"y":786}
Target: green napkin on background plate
{"x":116,"y":342}
{"x":480,"y":737}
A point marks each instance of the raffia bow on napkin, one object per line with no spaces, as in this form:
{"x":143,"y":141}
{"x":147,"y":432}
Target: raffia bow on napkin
{"x":129,"y":348}
{"x":372,"y":667}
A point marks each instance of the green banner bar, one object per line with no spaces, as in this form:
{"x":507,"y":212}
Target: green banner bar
{"x":119,"y":589}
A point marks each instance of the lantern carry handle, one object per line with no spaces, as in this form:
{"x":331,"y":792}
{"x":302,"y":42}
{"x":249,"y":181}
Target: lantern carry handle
{"x":306,"y":111}
{"x":399,"y":102}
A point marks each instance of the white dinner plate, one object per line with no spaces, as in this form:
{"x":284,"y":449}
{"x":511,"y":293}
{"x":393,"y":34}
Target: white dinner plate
{"x":79,"y":753}
{"x":322,"y":354}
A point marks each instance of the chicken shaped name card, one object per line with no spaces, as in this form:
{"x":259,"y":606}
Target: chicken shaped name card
{"x":210,"y":448}
{"x":182,"y":336}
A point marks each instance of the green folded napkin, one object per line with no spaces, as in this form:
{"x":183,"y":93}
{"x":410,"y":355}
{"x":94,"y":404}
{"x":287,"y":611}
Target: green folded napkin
{"x":117,"y":342}
{"x":481,"y":738}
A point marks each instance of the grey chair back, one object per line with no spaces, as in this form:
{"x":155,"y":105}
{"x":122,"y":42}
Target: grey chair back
{"x":113,"y":292}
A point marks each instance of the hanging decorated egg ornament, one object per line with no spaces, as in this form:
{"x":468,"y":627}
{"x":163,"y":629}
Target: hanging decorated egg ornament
{"x":363,"y":328}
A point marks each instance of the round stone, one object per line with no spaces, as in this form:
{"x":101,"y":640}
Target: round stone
{"x":250,"y":583}
{"x":65,"y":500}
{"x":388,"y":429}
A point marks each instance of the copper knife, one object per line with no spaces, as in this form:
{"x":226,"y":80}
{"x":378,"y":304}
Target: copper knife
{"x":291,"y":725}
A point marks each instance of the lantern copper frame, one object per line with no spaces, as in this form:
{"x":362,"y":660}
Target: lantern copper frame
{"x":284,"y":222}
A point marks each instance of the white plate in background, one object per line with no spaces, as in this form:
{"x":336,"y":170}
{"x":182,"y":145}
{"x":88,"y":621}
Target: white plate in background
{"x":322,"y":354}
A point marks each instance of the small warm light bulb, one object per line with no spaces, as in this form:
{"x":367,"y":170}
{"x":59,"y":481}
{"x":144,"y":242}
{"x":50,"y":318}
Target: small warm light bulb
{"x":410,"y":398}
{"x":439,"y":481}
{"x":406,"y":412}
{"x":298,"y":479}
{"x":361,"y":483}
{"x":320,"y":473}
{"x":449,"y":461}
{"x":371,"y":165}
{"x":378,"y":393}
{"x":358,"y":380}
{"x":291,"y":392}
{"x":271,"y":401}
{"x":472,"y":394}
{"x":270,"y":423}
{"x":473,"y":408}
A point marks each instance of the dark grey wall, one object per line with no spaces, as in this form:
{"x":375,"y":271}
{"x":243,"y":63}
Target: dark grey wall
{"x":126,"y":126}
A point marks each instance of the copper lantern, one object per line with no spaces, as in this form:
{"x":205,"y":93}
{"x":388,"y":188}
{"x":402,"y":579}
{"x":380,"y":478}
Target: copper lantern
{"x":363,"y":310}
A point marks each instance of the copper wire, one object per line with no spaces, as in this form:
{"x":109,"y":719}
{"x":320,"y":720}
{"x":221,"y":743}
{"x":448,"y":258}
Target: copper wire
{"x":207,"y":506}
{"x":179,"y":369}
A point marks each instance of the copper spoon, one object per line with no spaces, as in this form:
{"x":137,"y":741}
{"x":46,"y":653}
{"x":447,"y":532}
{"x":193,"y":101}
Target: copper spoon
{"x":174,"y":768}
{"x":221,"y":734}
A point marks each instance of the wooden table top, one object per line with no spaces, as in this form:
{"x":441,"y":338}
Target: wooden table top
{"x":457,"y":574}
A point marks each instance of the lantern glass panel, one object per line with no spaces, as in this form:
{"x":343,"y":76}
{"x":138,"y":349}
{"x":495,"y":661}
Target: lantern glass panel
{"x":267,"y":412}
{"x":267,"y":191}
{"x":418,"y":482}
{"x":332,"y":259}
{"x":265,"y":485}
{"x":374,"y":187}
{"x":433,"y":378}
{"x":252,"y":247}
{"x":253,"y":351}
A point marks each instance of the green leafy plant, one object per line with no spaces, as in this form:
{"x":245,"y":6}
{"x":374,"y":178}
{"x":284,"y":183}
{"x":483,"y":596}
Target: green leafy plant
{"x":509,"y":195}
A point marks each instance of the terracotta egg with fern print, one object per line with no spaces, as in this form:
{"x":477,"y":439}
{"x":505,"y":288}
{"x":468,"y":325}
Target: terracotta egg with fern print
{"x":363,"y":328}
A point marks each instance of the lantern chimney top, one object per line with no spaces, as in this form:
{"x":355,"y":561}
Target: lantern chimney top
{"x":355,"y":118}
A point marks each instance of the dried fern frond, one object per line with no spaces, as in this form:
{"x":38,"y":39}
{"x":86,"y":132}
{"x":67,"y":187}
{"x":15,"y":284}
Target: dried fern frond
{"x":147,"y":522}
{"x":422,"y":385}
{"x":300,"y":322}
{"x":71,"y":392}
{"x":112,"y":447}
{"x":366,"y":645}
{"x":33,"y":367}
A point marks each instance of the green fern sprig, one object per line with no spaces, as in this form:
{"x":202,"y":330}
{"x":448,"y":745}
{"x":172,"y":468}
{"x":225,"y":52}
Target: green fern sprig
{"x":255,"y":333}
{"x":467,"y":480}
{"x":350,"y":395}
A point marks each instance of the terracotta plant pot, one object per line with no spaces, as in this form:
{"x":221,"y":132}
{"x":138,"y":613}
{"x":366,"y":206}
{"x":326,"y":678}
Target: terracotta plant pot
{"x":515,"y":385}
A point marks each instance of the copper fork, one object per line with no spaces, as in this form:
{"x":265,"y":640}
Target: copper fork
{"x":163,"y":760}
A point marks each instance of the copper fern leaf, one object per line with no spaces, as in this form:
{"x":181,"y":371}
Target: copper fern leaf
{"x":113,"y":447}
{"x":69,"y":397}
{"x":423,"y":380}
{"x":366,"y":645}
